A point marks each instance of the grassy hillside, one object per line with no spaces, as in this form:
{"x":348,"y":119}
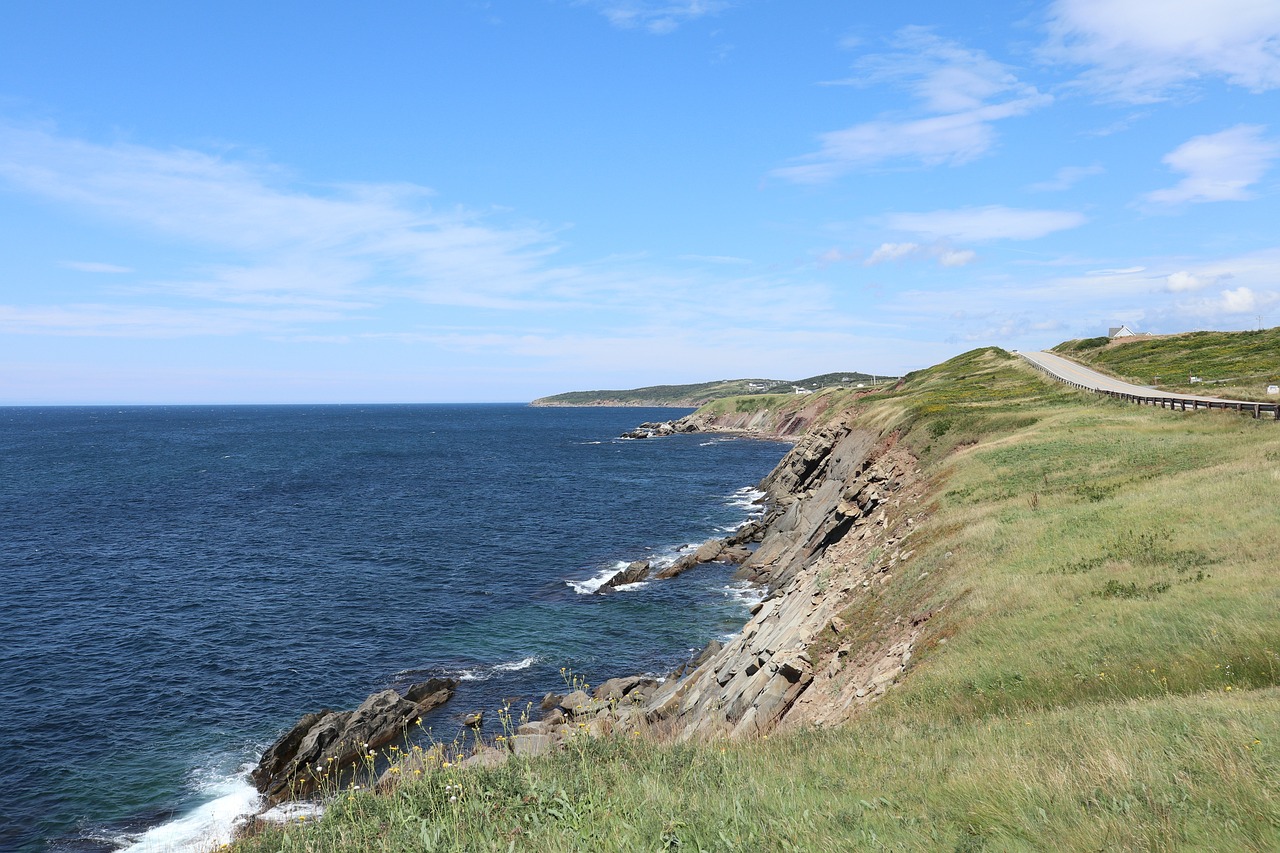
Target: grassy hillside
{"x":692,"y":396}
{"x":1099,"y":665}
{"x":1229,"y":364}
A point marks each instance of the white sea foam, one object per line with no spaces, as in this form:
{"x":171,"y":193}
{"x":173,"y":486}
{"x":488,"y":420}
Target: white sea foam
{"x":747,"y":498}
{"x":590,"y":585}
{"x":484,"y":673}
{"x":204,"y":828}
{"x":745,"y":593}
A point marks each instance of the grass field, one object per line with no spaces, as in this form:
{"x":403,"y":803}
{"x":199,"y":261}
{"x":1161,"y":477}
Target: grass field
{"x":1101,"y":672}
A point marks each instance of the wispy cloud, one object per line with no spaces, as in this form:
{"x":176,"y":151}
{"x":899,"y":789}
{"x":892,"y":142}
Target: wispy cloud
{"x":945,"y":256}
{"x":280,"y":243}
{"x":725,"y":260}
{"x":1066,"y":178}
{"x":656,"y":16}
{"x":269,"y":255}
{"x":981,"y":224}
{"x":961,"y":93}
{"x":1218,"y":166}
{"x":95,"y":267}
{"x":1142,"y":51}
{"x":150,"y":321}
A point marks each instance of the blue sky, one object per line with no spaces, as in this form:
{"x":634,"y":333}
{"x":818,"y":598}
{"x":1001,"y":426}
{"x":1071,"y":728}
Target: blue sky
{"x":466,"y":201}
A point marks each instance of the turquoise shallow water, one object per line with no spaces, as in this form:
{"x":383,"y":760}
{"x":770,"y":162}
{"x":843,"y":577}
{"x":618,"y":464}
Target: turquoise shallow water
{"x":180,"y":584}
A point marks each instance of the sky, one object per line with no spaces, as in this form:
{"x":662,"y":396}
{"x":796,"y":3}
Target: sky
{"x":464,"y":201}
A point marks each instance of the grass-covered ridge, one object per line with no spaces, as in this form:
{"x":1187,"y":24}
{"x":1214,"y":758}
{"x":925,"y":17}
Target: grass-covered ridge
{"x":1099,"y":669}
{"x":698,"y":394}
{"x":1231,"y":364}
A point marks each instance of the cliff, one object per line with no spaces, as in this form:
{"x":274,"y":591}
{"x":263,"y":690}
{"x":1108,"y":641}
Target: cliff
{"x":845,"y":500}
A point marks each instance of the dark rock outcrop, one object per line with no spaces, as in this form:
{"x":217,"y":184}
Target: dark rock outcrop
{"x":329,"y":743}
{"x":634,"y":573}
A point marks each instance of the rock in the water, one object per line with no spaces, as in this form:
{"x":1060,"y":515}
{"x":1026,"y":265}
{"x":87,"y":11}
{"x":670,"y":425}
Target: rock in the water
{"x":474,"y":721}
{"x":680,"y":566}
{"x":329,"y":743}
{"x":709,"y":550}
{"x":634,"y":573}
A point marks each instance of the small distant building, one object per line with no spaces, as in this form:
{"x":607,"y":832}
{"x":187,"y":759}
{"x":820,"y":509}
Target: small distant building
{"x":800,"y":390}
{"x":1120,"y":332}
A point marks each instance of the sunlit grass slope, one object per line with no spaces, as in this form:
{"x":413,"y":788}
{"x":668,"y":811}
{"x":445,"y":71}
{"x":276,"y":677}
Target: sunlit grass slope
{"x":1233,"y":364}
{"x":1099,"y":668}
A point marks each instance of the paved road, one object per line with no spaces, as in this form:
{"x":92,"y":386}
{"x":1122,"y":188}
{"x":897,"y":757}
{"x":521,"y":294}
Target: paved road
{"x":1069,"y":371}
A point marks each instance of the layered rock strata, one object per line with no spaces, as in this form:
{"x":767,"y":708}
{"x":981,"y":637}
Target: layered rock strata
{"x":844,"y":500}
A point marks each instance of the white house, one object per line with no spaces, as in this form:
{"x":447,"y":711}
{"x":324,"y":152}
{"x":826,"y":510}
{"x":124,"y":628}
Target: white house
{"x":1120,"y":332}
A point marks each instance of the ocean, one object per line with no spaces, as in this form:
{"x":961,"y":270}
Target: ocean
{"x":178,"y":585}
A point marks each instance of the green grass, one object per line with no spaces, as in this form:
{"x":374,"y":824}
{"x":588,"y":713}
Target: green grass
{"x":1099,"y":670}
{"x":1234,"y":364}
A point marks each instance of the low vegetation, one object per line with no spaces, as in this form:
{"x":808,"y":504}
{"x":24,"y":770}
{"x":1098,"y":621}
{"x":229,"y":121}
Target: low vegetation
{"x":1100,"y":668}
{"x":1227,"y":364}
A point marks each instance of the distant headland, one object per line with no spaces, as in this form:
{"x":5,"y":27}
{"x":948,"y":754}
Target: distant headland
{"x":699,"y":394}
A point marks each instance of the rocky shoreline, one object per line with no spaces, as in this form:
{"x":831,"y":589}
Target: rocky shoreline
{"x":843,"y":504}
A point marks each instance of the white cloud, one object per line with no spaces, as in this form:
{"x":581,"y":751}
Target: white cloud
{"x":265,"y":256}
{"x":95,"y":267}
{"x":1182,"y":281}
{"x":1227,"y":303}
{"x":978,"y":224}
{"x":1143,"y":51}
{"x":892,"y":252}
{"x":284,"y":241}
{"x":961,"y":92}
{"x":945,"y":255}
{"x":1239,"y":300}
{"x":1218,"y":166}
{"x":1066,"y":178}
{"x":957,"y":257}
{"x":657,"y":16}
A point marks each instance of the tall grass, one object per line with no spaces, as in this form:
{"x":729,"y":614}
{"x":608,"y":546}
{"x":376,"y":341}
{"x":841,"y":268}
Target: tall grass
{"x":1099,"y":670}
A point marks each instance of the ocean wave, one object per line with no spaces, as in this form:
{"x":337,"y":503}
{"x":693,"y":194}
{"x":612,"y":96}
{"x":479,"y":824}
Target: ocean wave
{"x":592,"y":584}
{"x":484,"y":673}
{"x":745,"y":593}
{"x":481,"y":672}
{"x":206,"y":827}
{"x":748,"y":498}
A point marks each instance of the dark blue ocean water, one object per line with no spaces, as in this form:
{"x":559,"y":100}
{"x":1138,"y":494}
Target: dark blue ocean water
{"x":178,"y":585}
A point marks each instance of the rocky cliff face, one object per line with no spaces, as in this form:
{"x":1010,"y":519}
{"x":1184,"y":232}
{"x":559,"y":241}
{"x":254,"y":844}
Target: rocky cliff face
{"x":846,"y":501}
{"x":782,"y":421}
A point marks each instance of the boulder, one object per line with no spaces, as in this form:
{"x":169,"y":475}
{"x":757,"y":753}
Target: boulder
{"x":679,"y":567}
{"x":531,"y":745}
{"x":487,"y":757}
{"x":327,"y":744}
{"x":634,"y":573}
{"x":578,"y":704}
{"x":709,"y":550}
{"x":615,"y":689}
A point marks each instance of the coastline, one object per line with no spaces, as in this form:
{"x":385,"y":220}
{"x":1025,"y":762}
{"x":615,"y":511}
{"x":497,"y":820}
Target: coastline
{"x":840,"y":506}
